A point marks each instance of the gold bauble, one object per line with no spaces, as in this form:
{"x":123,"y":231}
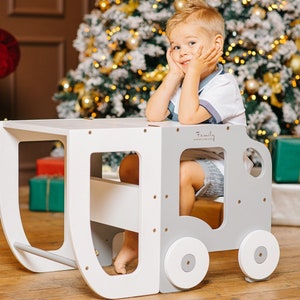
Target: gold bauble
{"x":294,"y":64}
{"x":179,"y":4}
{"x":259,"y":12}
{"x":64,"y":85}
{"x":88,"y":101}
{"x":133,"y":42}
{"x":130,"y":8}
{"x":252,"y":86}
{"x":104,"y":5}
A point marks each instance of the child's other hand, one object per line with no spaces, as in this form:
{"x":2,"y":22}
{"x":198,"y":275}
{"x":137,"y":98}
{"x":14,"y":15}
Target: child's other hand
{"x":173,"y":67}
{"x":205,"y":62}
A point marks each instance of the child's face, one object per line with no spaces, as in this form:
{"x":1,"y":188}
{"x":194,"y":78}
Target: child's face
{"x":185,"y":40}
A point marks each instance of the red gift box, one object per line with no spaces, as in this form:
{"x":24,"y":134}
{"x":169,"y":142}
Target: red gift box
{"x":53,"y":166}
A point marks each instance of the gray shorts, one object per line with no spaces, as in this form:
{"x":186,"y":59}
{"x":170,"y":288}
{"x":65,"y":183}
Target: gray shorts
{"x":214,"y":180}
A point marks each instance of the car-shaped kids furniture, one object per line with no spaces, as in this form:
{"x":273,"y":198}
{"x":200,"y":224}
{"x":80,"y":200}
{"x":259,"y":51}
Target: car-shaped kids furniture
{"x":173,"y":250}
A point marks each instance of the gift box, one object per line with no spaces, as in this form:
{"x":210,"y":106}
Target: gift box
{"x":46,"y":193}
{"x":208,"y":210}
{"x":50,"y":166}
{"x":285,"y":158}
{"x":286,"y":204}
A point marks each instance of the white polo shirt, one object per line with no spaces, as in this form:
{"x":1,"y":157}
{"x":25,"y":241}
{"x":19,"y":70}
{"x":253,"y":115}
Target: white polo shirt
{"x":220,"y":95}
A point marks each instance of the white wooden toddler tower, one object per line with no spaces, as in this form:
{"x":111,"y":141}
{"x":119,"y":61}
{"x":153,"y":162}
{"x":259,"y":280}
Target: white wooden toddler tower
{"x":173,"y":250}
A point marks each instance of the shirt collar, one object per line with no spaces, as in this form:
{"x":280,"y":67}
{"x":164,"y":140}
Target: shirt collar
{"x":220,"y":70}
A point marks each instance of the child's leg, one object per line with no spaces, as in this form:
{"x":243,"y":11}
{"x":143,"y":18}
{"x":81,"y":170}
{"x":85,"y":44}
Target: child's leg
{"x":129,"y":169}
{"x":129,"y":173}
{"x":192,"y":178}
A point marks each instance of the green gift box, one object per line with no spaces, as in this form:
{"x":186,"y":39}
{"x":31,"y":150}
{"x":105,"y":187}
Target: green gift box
{"x":286,"y":159}
{"x":46,"y":193}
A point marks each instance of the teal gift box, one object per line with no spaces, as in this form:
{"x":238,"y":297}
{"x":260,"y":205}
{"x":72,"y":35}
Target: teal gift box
{"x":286,"y":159}
{"x":46,"y":193}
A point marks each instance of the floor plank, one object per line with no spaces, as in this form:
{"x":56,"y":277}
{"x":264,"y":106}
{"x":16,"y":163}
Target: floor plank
{"x":224,"y":279}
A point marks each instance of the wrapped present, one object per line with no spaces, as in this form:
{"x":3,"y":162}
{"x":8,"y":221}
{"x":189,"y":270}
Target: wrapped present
{"x":46,"y":193}
{"x":285,"y":158}
{"x":286,"y":204}
{"x":50,"y":166}
{"x":208,"y":210}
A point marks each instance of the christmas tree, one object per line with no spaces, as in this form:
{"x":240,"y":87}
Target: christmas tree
{"x":122,"y":46}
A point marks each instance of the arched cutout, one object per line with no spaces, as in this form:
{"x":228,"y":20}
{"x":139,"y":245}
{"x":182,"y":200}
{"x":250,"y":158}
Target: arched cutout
{"x":44,"y":200}
{"x":113,"y":199}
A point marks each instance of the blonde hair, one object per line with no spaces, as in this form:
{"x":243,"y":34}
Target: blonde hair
{"x":198,"y":11}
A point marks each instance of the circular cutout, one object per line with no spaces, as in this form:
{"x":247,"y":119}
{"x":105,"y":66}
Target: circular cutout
{"x":253,"y":162}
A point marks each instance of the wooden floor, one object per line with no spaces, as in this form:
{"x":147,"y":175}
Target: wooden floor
{"x":224,"y":279}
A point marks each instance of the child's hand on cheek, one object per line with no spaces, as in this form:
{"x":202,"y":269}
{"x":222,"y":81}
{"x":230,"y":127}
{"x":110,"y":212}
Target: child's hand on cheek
{"x":173,"y":67}
{"x":205,"y":61}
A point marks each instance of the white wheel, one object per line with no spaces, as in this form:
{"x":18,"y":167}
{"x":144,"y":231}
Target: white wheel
{"x":186,"y":262}
{"x":259,"y":255}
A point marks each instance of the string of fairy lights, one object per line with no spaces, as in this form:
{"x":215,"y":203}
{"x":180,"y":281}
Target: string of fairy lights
{"x":252,"y":85}
{"x":90,"y":101}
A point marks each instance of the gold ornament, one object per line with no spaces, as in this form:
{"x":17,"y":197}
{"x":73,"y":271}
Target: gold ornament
{"x":118,"y":57}
{"x":179,"y":4}
{"x":90,"y":47}
{"x":89,"y":101}
{"x":117,"y":61}
{"x":64,"y":85}
{"x":105,"y":70}
{"x":156,"y":75}
{"x":113,"y":46}
{"x":259,"y":12}
{"x":294,"y":64}
{"x":273,"y":80}
{"x":130,"y":7}
{"x":252,"y":86}
{"x":133,"y":42}
{"x":104,"y":5}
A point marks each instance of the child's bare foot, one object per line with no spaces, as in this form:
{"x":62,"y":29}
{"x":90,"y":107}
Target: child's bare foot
{"x":125,"y":256}
{"x":128,"y":252}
